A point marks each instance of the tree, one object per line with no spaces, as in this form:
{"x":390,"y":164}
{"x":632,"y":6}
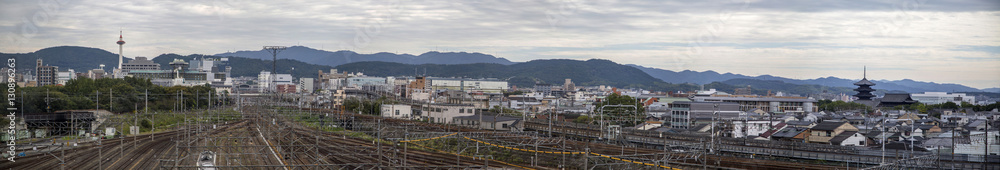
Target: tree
{"x":627,"y":115}
{"x":949,"y":105}
{"x":583,"y":119}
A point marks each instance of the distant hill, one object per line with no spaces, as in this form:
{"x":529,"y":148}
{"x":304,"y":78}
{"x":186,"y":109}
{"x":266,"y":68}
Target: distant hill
{"x":590,"y":72}
{"x":905,"y":85}
{"x":688,"y":76}
{"x":992,"y":90}
{"x":252,"y":67}
{"x":80,"y":59}
{"x":329,"y":58}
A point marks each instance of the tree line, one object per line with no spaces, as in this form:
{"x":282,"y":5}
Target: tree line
{"x":115,"y":95}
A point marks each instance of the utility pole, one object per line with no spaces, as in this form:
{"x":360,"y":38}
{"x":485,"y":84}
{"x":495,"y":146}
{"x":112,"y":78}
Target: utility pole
{"x":112,"y":100}
{"x":712,"y":142}
{"x":274,"y":50}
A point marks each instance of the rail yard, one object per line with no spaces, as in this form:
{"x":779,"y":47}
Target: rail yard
{"x":269,"y":135}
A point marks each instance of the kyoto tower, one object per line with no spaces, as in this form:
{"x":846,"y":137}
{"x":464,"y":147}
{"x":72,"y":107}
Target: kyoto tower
{"x":120,"y":56}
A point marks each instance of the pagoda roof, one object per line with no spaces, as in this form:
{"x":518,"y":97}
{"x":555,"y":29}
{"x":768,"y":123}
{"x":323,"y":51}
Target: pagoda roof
{"x":863,"y":82}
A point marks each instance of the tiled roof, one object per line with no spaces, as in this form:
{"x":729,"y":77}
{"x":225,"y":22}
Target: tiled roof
{"x":828,"y":126}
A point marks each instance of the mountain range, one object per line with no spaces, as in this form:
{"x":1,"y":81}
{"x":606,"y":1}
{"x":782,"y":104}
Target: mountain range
{"x":477,"y":65}
{"x":587,"y":73}
{"x":79,"y":59}
{"x":905,"y":85}
{"x":329,"y":58}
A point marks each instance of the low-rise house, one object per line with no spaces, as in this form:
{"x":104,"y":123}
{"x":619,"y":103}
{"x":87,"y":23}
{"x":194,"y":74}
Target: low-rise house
{"x":753,"y":128}
{"x":824,"y":132}
{"x":929,"y":130}
{"x":443,"y":113}
{"x":774,"y":129}
{"x":855,"y":120}
{"x":978,"y":124}
{"x":399,"y":111}
{"x":801,"y":124}
{"x":791,"y":134}
{"x":850,"y":138}
{"x":929,"y":121}
{"x":877,"y":137}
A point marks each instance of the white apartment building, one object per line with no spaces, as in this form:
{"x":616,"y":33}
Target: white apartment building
{"x":468,"y":85}
{"x":399,"y":111}
{"x":445,"y":113}
{"x":943,"y":97}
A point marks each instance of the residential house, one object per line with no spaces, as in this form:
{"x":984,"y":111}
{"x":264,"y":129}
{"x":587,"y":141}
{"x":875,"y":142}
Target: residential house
{"x":444,"y":113}
{"x":399,"y":111}
{"x":792,"y":134}
{"x":801,"y":124}
{"x":774,"y":129}
{"x":824,"y":132}
{"x":752,"y":128}
{"x":850,"y":138}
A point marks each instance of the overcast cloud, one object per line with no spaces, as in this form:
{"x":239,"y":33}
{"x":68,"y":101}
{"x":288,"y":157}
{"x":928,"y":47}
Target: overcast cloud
{"x":939,"y":41}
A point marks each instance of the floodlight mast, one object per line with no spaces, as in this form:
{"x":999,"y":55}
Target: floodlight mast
{"x":274,"y":63}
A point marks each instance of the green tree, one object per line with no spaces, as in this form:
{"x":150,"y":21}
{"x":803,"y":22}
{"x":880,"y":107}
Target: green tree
{"x":627,"y":115}
{"x":583,"y":119}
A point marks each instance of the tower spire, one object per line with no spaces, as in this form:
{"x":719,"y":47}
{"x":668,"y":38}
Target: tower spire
{"x":864,"y":73}
{"x":121,"y":57}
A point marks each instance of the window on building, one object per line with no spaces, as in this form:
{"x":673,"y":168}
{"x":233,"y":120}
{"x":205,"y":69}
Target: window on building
{"x":828,"y":133}
{"x":461,"y":110}
{"x":397,"y":112}
{"x":861,"y":142}
{"x":504,"y":125}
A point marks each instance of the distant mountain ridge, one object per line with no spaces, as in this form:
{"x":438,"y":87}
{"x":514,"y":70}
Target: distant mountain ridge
{"x":905,"y":85}
{"x":321,"y":57}
{"x":80,"y":59}
{"x":584,"y":73}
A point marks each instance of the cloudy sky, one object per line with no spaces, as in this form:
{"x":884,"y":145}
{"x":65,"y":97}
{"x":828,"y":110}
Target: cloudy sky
{"x":940,"y":41}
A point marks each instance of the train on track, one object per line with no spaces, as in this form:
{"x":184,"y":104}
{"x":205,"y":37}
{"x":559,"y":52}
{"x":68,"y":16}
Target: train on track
{"x":206,"y":160}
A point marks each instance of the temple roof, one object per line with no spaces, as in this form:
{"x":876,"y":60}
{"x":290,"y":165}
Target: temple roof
{"x":864,"y":82}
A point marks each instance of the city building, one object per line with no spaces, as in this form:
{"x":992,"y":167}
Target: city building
{"x":544,"y":89}
{"x":444,"y":113}
{"x":96,"y":74}
{"x":140,"y":63}
{"x":214,"y":71}
{"x":764,"y":103}
{"x":286,"y":88}
{"x":943,"y":97}
{"x":64,"y":76}
{"x":268,"y":81}
{"x":180,"y":75}
{"x":306,"y":85}
{"x":490,"y":122}
{"x":399,"y":111}
{"x":467,"y":85}
{"x":45,"y":74}
{"x":370,"y":83}
{"x":684,"y":113}
{"x":331,"y":79}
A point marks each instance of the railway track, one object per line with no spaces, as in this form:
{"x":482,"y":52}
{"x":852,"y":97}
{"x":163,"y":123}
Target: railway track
{"x":611,"y":150}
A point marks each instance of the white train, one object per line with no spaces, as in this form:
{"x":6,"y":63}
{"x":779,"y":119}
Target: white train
{"x":206,"y":160}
